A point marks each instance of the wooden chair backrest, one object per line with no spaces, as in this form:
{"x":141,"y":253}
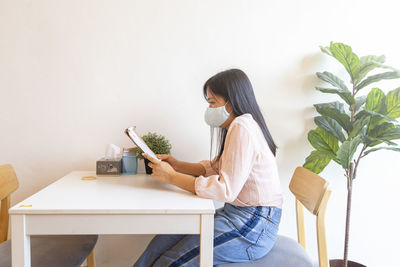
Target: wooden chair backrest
{"x":8,"y":184}
{"x":311,"y":191}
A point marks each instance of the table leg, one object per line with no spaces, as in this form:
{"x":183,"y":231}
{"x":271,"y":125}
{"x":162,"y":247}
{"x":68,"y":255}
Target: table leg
{"x":206,"y":240}
{"x":20,"y":242}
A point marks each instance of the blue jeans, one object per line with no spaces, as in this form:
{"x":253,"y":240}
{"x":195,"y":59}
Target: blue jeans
{"x":240,"y":234}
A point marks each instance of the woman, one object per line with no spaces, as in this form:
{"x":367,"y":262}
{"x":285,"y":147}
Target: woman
{"x":243,"y":175}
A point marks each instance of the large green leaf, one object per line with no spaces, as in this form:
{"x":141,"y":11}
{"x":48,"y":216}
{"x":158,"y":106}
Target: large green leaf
{"x":378,"y":131}
{"x":333,"y":80}
{"x":344,"y":54}
{"x":345,"y":95}
{"x":384,"y":132}
{"x":379,"y":148}
{"x":375,"y":118}
{"x":347,"y":150}
{"x":331,"y":126}
{"x":364,"y":113}
{"x":322,"y":140}
{"x":376,"y":101}
{"x":359,"y":102}
{"x":359,"y":127}
{"x":341,"y":88}
{"x":368,"y":63}
{"x":372,"y":141}
{"x":374,"y":122}
{"x":391,"y":134}
{"x":378,"y":77}
{"x":393,"y":103}
{"x":317,"y":161}
{"x":335,"y":110}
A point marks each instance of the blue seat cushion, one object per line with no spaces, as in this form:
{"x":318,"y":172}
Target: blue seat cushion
{"x":285,"y":253}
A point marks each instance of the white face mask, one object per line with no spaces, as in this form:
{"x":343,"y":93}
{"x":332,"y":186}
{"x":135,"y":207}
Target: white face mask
{"x":216,"y":116}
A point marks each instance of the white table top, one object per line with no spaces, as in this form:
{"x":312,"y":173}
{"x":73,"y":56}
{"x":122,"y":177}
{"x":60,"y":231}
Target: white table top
{"x":126,"y":194}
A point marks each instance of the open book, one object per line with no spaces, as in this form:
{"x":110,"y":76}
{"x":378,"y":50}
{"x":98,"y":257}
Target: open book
{"x":132,"y":134}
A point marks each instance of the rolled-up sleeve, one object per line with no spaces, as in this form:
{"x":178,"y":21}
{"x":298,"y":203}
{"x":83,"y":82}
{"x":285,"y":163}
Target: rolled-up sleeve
{"x":234,"y":168}
{"x":207,"y":166}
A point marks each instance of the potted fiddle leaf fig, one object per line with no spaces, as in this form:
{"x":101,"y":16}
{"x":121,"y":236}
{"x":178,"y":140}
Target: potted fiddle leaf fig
{"x":157,"y":143}
{"x":364,"y":121}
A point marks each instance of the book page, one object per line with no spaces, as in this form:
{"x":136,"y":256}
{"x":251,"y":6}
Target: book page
{"x":139,"y":142}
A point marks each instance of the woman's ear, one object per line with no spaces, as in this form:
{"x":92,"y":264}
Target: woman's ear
{"x":229,"y":108}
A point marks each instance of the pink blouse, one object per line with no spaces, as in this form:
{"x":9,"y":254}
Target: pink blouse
{"x":246,"y":174}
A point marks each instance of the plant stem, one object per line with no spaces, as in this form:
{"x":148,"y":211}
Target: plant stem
{"x":358,"y":161}
{"x":350,"y":174}
{"x":346,"y":238}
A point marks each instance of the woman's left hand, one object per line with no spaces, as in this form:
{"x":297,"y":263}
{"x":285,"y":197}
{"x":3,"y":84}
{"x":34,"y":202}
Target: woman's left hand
{"x":162,"y":171}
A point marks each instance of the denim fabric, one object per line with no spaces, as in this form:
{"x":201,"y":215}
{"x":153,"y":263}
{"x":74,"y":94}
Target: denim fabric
{"x":240,"y":234}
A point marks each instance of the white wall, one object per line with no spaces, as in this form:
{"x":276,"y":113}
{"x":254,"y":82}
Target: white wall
{"x":74,"y":74}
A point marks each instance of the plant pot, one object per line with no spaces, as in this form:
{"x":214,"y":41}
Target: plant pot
{"x":148,"y":169}
{"x":340,"y":263}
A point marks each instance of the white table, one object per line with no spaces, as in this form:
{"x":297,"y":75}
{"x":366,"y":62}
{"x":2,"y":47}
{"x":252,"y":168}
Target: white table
{"x":129,"y":204}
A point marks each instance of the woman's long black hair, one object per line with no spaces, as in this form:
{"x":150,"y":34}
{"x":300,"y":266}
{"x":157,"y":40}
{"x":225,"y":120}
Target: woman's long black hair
{"x":234,"y":86}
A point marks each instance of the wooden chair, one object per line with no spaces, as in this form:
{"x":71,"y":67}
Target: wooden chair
{"x":62,"y":250}
{"x":311,"y":191}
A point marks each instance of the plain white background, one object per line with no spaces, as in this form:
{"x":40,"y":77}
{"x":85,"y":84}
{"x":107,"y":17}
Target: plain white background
{"x":74,"y":74}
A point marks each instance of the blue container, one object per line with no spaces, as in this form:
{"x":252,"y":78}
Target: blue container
{"x":129,"y":161}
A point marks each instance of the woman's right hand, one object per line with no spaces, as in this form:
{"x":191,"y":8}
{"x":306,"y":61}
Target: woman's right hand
{"x":170,"y":159}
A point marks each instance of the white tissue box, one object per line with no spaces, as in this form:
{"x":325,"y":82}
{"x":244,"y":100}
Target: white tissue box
{"x":109,"y":167}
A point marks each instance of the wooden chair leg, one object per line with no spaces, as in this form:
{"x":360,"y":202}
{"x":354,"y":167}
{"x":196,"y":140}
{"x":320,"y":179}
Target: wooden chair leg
{"x":321,"y":234}
{"x":301,"y":234}
{"x":91,"y":259}
{"x":4,"y":225}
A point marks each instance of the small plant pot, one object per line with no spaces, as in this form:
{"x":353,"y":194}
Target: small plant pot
{"x":340,"y":263}
{"x":148,"y":169}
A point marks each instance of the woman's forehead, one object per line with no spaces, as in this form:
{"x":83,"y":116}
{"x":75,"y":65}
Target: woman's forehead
{"x":211,"y":95}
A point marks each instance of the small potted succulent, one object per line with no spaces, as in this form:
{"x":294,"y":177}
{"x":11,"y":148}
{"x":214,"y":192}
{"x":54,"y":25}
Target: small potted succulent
{"x":157,"y":143}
